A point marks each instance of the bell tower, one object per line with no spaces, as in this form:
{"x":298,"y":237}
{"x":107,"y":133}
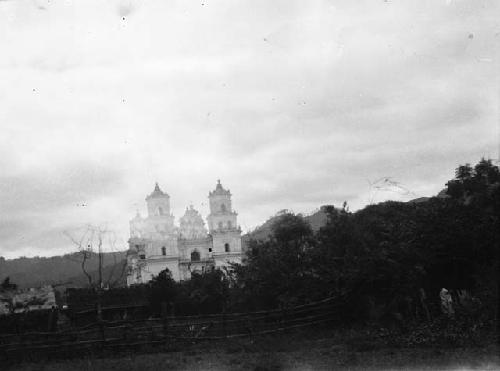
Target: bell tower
{"x":160,"y":220}
{"x":221,"y":217}
{"x":222,"y":222}
{"x":158,"y":202}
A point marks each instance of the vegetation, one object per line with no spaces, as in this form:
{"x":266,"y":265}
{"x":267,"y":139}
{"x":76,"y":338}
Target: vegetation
{"x":389,"y":250}
{"x":392,"y":258}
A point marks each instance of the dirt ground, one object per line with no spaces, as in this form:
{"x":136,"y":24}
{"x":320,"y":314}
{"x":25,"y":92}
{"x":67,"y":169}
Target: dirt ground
{"x":320,"y":350}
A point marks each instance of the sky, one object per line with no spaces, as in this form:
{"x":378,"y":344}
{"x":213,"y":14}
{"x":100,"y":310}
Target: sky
{"x":291,"y":104}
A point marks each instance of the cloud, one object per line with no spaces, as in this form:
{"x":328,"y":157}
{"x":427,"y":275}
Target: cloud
{"x":292,"y":105}
{"x":38,"y":206}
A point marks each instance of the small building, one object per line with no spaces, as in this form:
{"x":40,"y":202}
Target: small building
{"x":157,"y":243}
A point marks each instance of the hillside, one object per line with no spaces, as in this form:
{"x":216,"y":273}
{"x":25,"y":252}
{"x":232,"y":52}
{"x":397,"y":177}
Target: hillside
{"x":38,"y":271}
{"x":317,"y":220}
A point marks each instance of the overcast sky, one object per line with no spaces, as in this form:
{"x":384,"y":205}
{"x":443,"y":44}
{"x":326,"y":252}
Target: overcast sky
{"x":292,"y":104}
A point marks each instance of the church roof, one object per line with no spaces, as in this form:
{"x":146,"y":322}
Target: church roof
{"x":191,"y":211}
{"x":219,"y":190}
{"x":157,"y":192}
{"x":191,"y":215}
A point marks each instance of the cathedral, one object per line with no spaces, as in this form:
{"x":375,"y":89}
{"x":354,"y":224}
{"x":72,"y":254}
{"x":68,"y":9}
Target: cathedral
{"x":157,"y":243}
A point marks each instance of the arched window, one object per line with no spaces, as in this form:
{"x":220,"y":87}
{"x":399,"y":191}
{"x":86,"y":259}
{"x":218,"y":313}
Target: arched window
{"x":220,"y":225}
{"x":226,"y":247}
{"x":164,"y":250}
{"x":160,"y":211}
{"x":223,"y":208}
{"x":229,"y":225}
{"x":195,"y":256}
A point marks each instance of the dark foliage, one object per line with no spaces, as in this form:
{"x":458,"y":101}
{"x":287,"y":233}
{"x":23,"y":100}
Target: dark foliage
{"x":391,"y":260}
{"x":396,"y":256}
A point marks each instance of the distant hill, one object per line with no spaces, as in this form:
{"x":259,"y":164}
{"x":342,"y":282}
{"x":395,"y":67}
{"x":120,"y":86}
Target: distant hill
{"x":316,"y":219}
{"x":442,"y":194}
{"x":39,"y":271}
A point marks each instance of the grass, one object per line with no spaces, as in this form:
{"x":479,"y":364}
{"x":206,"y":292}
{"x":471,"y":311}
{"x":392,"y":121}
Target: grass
{"x":314,"y":349}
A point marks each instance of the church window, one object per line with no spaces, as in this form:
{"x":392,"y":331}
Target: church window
{"x":209,"y":249}
{"x":223,"y":208}
{"x":160,"y":211}
{"x":164,"y":250}
{"x":195,"y":256}
{"x":229,"y":225}
{"x":220,"y":225}
{"x":226,"y":247}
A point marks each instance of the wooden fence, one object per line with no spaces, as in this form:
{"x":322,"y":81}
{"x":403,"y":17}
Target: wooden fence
{"x":167,"y":331}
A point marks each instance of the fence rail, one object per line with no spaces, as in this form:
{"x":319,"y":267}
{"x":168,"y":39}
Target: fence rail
{"x":168,"y":330}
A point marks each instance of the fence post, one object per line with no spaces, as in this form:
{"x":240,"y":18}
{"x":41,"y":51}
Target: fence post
{"x":283,"y":315}
{"x":164,"y":317}
{"x":125,"y":331}
{"x":101,"y":330}
{"x":224,"y":330}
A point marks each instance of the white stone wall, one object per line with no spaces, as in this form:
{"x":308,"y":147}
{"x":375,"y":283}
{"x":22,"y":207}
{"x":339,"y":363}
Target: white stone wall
{"x":232,"y":238}
{"x":155,"y":266}
{"x":201,"y":245}
{"x":154,"y":249}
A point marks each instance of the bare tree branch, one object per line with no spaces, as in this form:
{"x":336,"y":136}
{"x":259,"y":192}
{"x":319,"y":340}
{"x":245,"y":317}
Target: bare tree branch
{"x":84,"y":248}
{"x":112,"y":242}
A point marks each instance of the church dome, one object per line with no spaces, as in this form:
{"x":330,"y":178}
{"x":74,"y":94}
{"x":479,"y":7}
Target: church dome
{"x":192,"y":225}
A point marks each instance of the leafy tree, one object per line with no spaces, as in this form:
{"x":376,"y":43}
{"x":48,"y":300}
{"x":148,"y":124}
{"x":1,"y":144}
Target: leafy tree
{"x":277,"y":272}
{"x":477,"y":185}
{"x":209,"y":291}
{"x":163,"y":291}
{"x":335,"y":257}
{"x":480,"y":188}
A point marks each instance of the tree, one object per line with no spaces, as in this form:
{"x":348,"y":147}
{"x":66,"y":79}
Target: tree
{"x":163,"y":291}
{"x":480,"y":187}
{"x":94,"y":239}
{"x":335,"y":256}
{"x":208,"y":292}
{"x":475,"y":185}
{"x":84,"y":248}
{"x":277,"y":271}
{"x":92,"y":242}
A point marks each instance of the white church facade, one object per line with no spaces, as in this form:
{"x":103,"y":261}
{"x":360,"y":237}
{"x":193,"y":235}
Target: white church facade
{"x":157,"y":243}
